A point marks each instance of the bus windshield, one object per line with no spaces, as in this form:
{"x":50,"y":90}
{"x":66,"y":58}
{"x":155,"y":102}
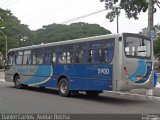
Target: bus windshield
{"x":137,"y":47}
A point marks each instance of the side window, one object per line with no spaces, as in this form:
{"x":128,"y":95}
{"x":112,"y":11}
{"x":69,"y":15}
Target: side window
{"x":94,"y":52}
{"x":19,"y":57}
{"x":27,"y":57}
{"x":54,"y":57}
{"x":69,"y":57}
{"x":79,"y":56}
{"x":62,"y":57}
{"x":37,"y":56}
{"x":107,"y":50}
{"x":80,"y":52}
{"x":65,"y":54}
{"x":104,"y":55}
{"x":101,"y":51}
{"x":10,"y":58}
{"x":90,"y":57}
{"x":48,"y":56}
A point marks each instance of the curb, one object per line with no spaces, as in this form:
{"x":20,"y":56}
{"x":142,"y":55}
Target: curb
{"x":130,"y":95}
{"x":2,"y":80}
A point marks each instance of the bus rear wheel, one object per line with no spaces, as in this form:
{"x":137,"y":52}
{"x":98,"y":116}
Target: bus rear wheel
{"x":17,"y":83}
{"x":63,"y":87}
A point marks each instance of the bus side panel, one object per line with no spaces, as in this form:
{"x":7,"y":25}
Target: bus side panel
{"x":86,"y":77}
{"x":39,"y":75}
{"x":92,"y":84}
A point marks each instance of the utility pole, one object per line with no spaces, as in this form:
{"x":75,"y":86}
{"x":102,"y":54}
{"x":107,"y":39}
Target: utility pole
{"x":117,"y":9}
{"x":117,"y":22}
{"x":150,"y":16}
{"x":150,"y":29}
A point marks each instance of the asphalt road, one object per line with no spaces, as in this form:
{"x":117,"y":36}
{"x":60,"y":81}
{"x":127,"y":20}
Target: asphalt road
{"x":38,"y":100}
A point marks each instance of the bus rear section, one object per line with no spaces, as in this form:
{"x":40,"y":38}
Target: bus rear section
{"x":137,"y":63}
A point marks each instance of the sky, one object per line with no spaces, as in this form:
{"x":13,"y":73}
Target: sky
{"x":36,"y":13}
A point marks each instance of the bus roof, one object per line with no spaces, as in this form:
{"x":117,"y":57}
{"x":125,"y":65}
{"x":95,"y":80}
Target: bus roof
{"x":69,"y":41}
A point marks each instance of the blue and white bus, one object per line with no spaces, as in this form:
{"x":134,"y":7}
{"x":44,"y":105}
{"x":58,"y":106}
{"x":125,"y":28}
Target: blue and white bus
{"x":115,"y":62}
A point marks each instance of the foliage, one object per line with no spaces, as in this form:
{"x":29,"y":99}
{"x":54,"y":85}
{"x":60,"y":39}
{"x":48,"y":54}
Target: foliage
{"x":131,"y":7}
{"x":17,"y":34}
{"x":157,"y":47}
{"x":60,"y":32}
{"x":157,"y":42}
{"x":157,"y":29}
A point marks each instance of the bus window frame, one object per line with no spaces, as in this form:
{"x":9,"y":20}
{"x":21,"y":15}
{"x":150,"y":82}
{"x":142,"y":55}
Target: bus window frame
{"x":13,"y":53}
{"x":27,"y":55}
{"x":102,"y":48}
{"x":125,"y":35}
{"x":45,"y":53}
{"x":56,"y":55}
{"x":65,"y":49}
{"x":80,"y":47}
{"x":19,"y":55}
{"x":32,"y":53}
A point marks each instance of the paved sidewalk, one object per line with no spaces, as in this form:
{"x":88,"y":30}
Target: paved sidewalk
{"x":1,"y":75}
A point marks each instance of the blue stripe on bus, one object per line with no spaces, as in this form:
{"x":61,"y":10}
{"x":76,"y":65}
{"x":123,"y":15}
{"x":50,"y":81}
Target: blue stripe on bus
{"x":42,"y":70}
{"x":146,"y":77}
{"x":140,"y":71}
{"x":85,"y":70}
{"x":144,"y":69}
{"x":81,"y":76}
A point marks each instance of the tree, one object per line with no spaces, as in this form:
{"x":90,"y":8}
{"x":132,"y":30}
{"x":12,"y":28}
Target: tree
{"x":157,"y":42}
{"x":157,"y":29}
{"x":18,"y":34}
{"x":131,"y":7}
{"x":61,"y":32}
{"x":157,"y":48}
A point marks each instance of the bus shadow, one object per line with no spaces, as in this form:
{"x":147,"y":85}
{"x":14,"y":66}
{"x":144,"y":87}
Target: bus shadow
{"x":82,"y":96}
{"x":108,"y":99}
{"x":39,"y":89}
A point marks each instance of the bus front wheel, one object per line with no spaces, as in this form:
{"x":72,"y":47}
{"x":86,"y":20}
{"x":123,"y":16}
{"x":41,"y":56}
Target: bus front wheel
{"x":17,"y":82}
{"x":63,"y":87}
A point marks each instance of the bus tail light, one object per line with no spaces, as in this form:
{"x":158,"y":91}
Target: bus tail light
{"x":126,"y":72}
{"x":139,"y":77}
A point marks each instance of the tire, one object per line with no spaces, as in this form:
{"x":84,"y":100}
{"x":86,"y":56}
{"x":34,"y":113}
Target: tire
{"x":17,"y":82}
{"x":63,"y":87}
{"x":93,"y":93}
